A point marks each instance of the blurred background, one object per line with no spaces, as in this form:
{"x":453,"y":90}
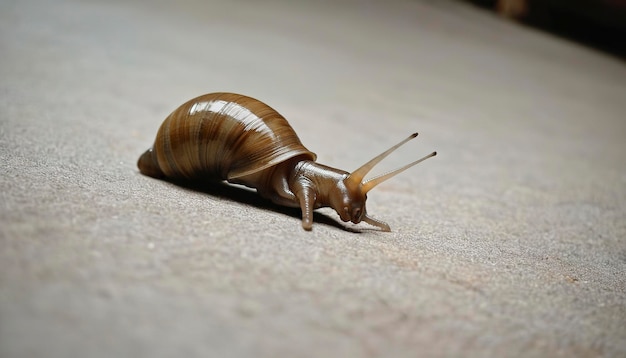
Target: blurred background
{"x":600,"y":24}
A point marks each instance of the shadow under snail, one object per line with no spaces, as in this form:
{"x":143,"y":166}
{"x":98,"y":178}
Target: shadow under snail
{"x":232,"y":137}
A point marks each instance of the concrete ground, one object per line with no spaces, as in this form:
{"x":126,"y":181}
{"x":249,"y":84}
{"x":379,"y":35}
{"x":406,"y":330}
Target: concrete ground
{"x":511,"y":242}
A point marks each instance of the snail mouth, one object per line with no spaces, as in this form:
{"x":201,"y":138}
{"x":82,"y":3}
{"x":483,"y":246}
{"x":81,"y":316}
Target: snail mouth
{"x":357,"y":216}
{"x":354,"y":217}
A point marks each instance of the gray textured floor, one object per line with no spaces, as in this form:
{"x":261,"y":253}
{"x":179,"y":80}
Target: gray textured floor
{"x":511,"y":242}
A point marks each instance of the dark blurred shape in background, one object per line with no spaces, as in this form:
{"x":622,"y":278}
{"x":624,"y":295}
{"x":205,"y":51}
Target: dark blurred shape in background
{"x":597,"y":23}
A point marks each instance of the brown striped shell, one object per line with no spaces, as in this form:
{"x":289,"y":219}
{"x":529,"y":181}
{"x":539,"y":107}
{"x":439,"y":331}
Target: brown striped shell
{"x":221,"y":136}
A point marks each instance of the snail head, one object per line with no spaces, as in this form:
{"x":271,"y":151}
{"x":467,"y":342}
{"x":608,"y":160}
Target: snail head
{"x":353,"y":190}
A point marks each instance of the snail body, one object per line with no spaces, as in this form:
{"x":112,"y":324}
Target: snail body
{"x":232,"y":137}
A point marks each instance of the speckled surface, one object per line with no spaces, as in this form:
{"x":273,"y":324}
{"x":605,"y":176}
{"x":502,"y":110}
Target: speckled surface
{"x":512,"y":241}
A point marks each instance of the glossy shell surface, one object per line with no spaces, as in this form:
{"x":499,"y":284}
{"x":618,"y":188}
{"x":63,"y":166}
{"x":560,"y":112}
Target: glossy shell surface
{"x":223,"y":136}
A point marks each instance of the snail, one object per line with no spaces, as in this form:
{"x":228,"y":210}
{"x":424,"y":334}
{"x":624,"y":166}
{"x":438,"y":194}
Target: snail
{"x":232,"y":137}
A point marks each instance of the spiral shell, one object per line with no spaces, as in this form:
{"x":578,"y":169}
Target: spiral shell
{"x":221,"y":136}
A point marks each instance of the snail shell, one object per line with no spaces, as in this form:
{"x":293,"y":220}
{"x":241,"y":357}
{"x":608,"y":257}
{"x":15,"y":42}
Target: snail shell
{"x":221,"y":136}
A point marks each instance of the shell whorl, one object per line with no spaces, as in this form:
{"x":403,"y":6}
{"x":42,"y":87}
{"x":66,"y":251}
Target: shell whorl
{"x":221,"y":136}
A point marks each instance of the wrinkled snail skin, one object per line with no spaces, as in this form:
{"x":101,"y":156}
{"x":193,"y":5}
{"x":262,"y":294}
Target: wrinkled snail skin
{"x":232,"y":137}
